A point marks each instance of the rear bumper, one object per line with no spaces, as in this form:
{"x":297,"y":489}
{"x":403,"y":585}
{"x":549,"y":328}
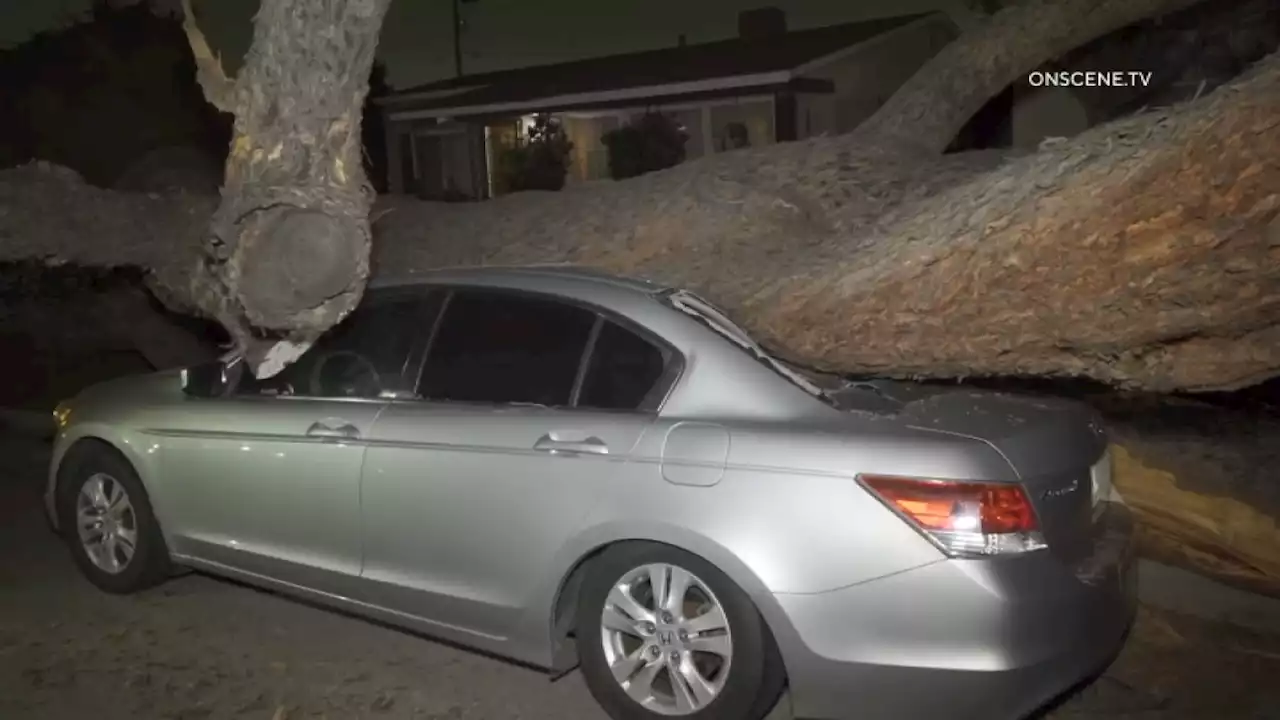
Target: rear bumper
{"x":960,"y":639}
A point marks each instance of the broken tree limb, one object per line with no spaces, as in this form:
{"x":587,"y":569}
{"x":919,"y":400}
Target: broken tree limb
{"x":1214,"y":534}
{"x":218,"y":89}
{"x":288,"y":247}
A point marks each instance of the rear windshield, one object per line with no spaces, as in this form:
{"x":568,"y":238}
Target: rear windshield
{"x":814,"y":383}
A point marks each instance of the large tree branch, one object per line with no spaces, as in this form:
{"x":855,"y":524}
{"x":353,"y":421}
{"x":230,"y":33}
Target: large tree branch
{"x":930,"y":109}
{"x":48,"y":212}
{"x":219,"y":90}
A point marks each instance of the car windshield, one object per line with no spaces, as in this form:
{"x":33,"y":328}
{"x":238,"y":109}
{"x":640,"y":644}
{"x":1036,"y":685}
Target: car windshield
{"x":813,"y":382}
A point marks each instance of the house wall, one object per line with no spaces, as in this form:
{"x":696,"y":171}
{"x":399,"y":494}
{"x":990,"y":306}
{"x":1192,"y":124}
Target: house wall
{"x":589,"y":160}
{"x":866,"y":75}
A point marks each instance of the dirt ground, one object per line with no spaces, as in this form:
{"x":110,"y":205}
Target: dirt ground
{"x":200,"y":648}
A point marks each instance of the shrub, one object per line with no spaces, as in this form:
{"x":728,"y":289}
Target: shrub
{"x":651,"y":142}
{"x":540,"y":162}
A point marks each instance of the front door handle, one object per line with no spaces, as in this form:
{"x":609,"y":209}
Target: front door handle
{"x":590,"y":446}
{"x":338,"y":430}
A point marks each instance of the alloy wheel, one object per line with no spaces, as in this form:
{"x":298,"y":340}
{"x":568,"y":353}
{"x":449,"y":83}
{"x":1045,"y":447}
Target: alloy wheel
{"x":106,"y":522}
{"x":666,"y":639}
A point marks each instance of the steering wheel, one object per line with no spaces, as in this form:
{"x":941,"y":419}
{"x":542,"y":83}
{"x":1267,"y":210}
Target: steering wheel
{"x":355,"y":374}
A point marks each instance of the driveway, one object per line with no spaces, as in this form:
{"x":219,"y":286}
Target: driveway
{"x":204,"y":648}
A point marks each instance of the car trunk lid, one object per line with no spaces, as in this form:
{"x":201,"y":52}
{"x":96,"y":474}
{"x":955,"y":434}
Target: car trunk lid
{"x":1057,"y":447}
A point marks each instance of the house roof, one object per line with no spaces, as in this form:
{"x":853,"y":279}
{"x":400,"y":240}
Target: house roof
{"x":740,"y":62}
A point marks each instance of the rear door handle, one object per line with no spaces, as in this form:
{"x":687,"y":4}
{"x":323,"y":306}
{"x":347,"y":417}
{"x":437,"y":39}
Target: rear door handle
{"x":338,"y":430}
{"x":591,"y":446}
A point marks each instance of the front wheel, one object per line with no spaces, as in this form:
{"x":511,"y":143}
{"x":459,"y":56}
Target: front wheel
{"x":663,"y":633}
{"x":107,"y":521}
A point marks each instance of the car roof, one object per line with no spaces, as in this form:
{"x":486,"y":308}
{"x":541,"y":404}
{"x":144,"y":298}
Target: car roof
{"x":527,"y":276}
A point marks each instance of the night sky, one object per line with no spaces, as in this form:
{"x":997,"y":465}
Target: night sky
{"x":417,"y":46}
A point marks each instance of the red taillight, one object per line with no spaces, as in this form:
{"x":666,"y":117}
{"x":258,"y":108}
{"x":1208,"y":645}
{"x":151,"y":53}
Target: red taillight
{"x":963,"y":517}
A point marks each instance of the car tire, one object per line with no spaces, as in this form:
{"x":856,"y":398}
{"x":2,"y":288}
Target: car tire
{"x":93,"y":468}
{"x":753,"y":674}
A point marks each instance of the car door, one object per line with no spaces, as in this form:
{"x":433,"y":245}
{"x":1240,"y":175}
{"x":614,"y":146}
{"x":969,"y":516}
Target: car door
{"x":470,"y":490}
{"x":267,"y":479}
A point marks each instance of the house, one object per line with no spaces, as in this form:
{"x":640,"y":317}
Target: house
{"x":767,"y":85}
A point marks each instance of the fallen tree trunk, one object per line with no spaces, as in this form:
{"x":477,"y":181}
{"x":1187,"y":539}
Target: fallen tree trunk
{"x":1095,"y":258}
{"x":287,"y":251}
{"x":1213,"y":534}
{"x":1145,"y":253}
{"x":1103,"y":257}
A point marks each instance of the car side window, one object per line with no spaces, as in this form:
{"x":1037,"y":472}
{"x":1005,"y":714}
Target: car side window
{"x":622,"y":371}
{"x":362,"y":357}
{"x":496,"y":347}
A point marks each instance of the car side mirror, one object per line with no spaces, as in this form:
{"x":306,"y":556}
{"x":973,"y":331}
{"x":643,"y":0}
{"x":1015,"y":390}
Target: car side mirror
{"x":211,"y":379}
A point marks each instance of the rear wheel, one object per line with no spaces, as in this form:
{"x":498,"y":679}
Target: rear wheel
{"x":107,"y":521}
{"x":662,"y":633}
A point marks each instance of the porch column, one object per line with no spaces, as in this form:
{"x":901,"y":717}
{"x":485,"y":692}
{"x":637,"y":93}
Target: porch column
{"x":479,"y":161}
{"x":708,"y":133}
{"x":784,"y":116}
{"x":395,"y":141}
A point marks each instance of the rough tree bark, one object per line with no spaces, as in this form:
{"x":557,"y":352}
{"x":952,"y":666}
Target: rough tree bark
{"x":288,"y":247}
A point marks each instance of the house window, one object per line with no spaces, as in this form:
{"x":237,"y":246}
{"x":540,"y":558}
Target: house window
{"x":745,"y":124}
{"x":734,"y":135}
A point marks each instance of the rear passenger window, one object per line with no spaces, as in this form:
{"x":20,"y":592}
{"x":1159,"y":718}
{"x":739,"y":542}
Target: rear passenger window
{"x":494,"y":347}
{"x":623,"y":370}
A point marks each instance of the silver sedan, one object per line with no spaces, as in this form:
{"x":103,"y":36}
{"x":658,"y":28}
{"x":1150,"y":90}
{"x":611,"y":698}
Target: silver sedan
{"x":576,"y":470}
